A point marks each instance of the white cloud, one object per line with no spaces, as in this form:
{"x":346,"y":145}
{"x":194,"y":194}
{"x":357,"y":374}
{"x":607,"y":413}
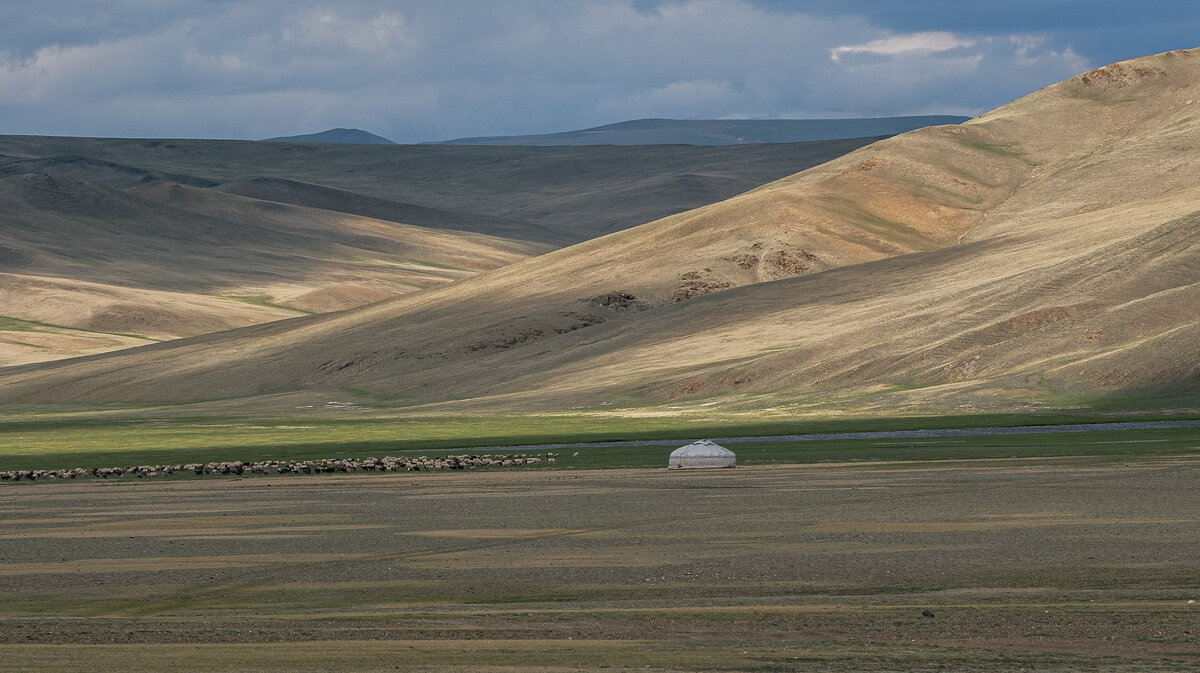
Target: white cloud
{"x":913,"y":43}
{"x":1031,"y":50}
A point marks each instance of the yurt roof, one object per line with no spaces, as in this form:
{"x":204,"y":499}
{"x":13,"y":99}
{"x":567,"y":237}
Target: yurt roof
{"x":701,"y":448}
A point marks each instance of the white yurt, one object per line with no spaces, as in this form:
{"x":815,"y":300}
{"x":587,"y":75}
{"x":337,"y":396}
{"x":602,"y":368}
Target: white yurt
{"x":701,"y":454}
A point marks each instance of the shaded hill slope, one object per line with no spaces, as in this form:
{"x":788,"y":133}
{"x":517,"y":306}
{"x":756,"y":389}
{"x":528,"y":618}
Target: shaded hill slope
{"x":1044,"y":249}
{"x":165,"y":260}
{"x":298,"y":193}
{"x":170,"y":236}
{"x":556,"y":195}
{"x":719,"y":131}
{"x":97,"y":171}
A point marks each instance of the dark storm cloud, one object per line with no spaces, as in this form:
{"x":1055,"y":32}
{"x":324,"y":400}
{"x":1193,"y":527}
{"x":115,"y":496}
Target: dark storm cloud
{"x":423,"y":70}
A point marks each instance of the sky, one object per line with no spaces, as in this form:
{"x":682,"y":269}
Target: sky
{"x":428,"y":70}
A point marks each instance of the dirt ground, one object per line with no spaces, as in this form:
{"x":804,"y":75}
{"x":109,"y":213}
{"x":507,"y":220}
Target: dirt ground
{"x":1067,"y":564}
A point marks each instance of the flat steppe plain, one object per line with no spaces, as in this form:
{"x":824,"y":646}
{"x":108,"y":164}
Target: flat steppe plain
{"x":1065,"y":564}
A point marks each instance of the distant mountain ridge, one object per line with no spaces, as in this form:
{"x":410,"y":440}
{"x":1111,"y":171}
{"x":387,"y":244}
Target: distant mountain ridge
{"x":720,"y":131}
{"x":348,"y":136}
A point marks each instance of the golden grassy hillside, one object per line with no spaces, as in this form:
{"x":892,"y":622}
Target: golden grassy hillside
{"x":1043,"y":249}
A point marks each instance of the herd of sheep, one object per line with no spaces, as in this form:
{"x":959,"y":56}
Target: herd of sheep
{"x":319,"y":466}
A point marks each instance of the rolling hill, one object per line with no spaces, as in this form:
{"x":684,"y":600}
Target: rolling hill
{"x":719,"y":131}
{"x":1043,"y":254}
{"x":348,"y":136}
{"x":87,"y":268}
{"x":145,"y":240}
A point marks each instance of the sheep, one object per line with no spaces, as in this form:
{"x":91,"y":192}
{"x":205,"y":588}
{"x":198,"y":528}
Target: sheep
{"x":314,"y":466}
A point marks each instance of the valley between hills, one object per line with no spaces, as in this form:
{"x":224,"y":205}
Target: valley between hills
{"x":1040,"y":256}
{"x":107,"y":244}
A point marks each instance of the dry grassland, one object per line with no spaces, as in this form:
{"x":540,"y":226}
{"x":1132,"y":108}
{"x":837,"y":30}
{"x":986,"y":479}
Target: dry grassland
{"x":1046,"y":564}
